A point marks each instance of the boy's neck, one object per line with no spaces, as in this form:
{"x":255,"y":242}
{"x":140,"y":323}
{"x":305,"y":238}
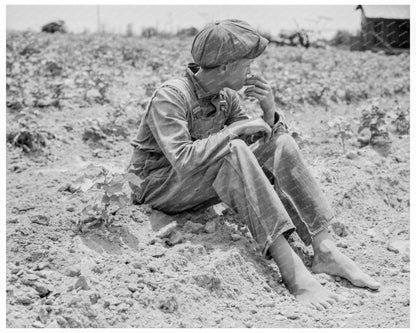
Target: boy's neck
{"x":209,"y":81}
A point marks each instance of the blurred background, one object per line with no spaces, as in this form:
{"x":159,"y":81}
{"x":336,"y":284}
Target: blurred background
{"x":321,"y":21}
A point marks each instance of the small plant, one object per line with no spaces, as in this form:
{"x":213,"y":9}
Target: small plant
{"x":402,"y":122}
{"x":29,"y":141}
{"x":341,"y":128}
{"x":93,"y":131}
{"x":102,"y":84}
{"x":132,"y":55}
{"x":107,"y":196}
{"x":97,"y":130}
{"x":26,"y":135}
{"x":373,"y":124}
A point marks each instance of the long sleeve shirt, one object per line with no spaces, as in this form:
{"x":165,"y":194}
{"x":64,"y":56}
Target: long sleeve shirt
{"x":184,"y":127}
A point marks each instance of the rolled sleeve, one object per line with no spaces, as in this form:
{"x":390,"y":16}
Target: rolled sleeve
{"x":168,"y":123}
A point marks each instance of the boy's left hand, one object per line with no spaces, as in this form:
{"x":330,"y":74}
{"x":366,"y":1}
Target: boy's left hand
{"x":260,"y":89}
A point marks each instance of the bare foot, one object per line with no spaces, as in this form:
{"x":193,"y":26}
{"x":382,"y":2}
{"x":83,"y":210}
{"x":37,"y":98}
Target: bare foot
{"x":310,"y":292}
{"x":328,"y":259}
{"x":297,"y":278}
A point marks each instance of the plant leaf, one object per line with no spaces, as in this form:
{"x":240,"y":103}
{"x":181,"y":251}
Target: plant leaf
{"x":132,"y":178}
{"x":100,"y":178}
{"x":86,"y":185}
{"x":119,"y":200}
{"x":112,"y":189}
{"x":124,"y":200}
{"x":83,"y":183}
{"x":86,"y":209}
{"x":105,"y":199}
{"x":117,"y":179}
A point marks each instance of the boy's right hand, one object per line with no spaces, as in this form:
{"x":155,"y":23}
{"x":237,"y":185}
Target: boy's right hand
{"x":250,"y":126}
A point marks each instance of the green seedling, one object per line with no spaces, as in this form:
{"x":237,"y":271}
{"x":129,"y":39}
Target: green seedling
{"x":373,"y":121}
{"x":340,"y":128}
{"x":402,"y":121}
{"x":107,"y":196}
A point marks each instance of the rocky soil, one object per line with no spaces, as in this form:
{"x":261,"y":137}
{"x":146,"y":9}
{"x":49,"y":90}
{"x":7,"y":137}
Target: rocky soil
{"x":146,"y":269}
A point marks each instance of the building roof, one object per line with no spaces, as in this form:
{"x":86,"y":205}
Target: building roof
{"x":401,"y":12}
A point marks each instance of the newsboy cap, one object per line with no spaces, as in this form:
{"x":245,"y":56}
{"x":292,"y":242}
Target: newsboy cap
{"x":225,"y":41}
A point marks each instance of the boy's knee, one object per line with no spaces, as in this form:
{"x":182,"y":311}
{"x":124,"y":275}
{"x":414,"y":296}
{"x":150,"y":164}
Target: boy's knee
{"x":287,"y":143}
{"x":240,"y":151}
{"x":238,"y":145}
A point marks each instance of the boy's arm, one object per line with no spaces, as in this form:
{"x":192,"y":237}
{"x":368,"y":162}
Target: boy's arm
{"x":273,"y":118}
{"x":167,"y":120}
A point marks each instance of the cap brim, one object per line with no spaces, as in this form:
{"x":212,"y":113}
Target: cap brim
{"x":259,"y":49}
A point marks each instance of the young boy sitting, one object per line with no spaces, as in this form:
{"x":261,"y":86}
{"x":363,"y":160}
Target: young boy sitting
{"x":189,"y":153}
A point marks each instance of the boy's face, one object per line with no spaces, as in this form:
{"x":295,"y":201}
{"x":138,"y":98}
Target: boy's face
{"x":237,"y":72}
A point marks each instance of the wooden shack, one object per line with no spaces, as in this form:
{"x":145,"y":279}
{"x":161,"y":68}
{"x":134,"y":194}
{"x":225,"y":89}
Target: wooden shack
{"x":385,"y":27}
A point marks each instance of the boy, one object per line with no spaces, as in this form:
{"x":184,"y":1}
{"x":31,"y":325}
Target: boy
{"x":189,"y":154}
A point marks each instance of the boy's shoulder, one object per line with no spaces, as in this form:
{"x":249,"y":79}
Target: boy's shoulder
{"x":179,"y":86}
{"x":179,"y":83}
{"x":183,"y":87}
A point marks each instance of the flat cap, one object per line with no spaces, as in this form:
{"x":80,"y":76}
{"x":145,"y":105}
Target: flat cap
{"x":225,"y":41}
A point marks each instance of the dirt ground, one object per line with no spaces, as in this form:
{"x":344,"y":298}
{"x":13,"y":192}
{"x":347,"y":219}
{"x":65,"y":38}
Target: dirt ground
{"x":211,"y":274}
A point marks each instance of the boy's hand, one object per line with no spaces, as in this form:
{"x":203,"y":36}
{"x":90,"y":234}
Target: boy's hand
{"x":262,"y":91}
{"x":250,"y":126}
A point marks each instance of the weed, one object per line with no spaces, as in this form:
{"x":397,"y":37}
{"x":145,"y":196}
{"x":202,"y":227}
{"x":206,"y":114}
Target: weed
{"x":372,"y":123}
{"x":402,"y":121}
{"x":340,"y":128}
{"x":107,"y":195}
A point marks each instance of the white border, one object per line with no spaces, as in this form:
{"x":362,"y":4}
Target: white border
{"x":223,"y":2}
